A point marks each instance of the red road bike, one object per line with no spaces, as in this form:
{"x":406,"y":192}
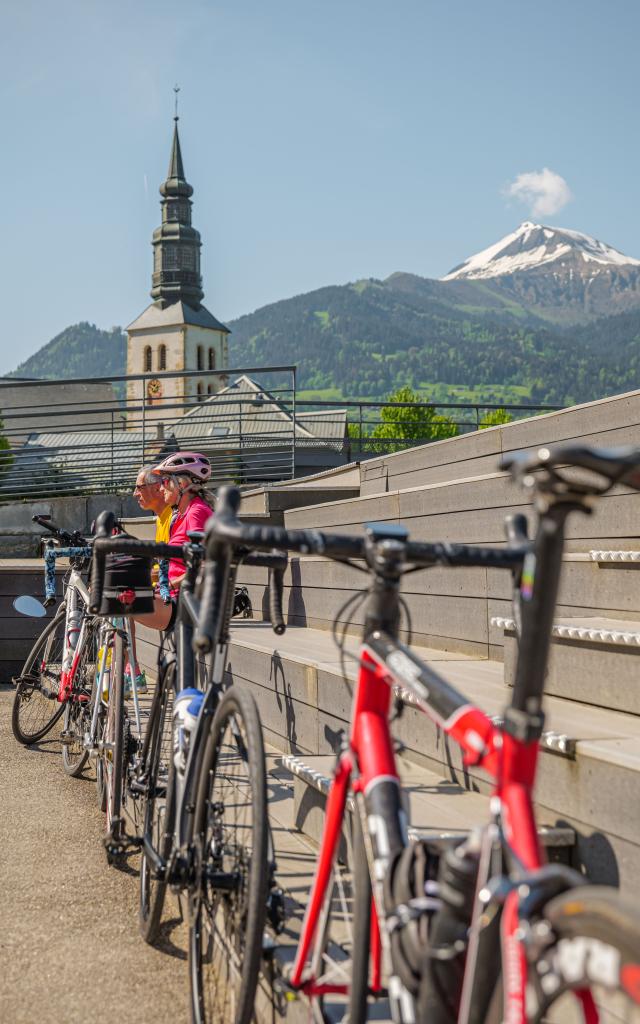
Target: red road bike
{"x":499,"y":935}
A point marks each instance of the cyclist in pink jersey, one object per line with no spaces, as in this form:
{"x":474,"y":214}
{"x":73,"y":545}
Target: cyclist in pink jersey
{"x":183,"y":476}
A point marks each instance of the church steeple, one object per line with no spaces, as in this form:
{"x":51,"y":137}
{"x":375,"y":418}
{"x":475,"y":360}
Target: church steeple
{"x":176,"y":244}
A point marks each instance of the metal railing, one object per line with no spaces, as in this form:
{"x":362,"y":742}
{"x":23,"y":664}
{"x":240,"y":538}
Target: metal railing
{"x":92,"y":435}
{"x":383,"y":427}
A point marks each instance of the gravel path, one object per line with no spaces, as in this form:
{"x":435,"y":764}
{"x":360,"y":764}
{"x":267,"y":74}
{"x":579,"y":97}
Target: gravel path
{"x":70,"y":948}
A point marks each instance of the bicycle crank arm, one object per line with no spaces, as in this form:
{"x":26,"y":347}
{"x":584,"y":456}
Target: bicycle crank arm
{"x":158,"y":865}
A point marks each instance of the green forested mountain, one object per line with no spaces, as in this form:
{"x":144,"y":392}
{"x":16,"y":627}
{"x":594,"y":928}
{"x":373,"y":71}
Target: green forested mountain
{"x":460,"y":340}
{"x":368,"y":338}
{"x":82,"y":350}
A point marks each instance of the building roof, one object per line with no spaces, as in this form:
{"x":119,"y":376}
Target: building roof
{"x":245,"y":413}
{"x":176,"y":315}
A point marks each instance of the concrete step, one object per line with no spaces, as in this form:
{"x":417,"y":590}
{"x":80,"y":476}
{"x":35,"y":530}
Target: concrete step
{"x":437,"y":809}
{"x":450,"y":609}
{"x":589,"y":770}
{"x":471,"y":508}
{"x":594,"y":660}
{"x":268,"y":504}
{"x":607,"y":422}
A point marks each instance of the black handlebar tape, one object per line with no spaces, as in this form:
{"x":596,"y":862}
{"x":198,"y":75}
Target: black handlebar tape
{"x":216,"y":576}
{"x":276,"y":560}
{"x":228,"y":500}
{"x":464,"y":555}
{"x":47,"y":526}
{"x":140,"y":548}
{"x":105,"y":524}
{"x":276,"y":587}
{"x":97,"y":574}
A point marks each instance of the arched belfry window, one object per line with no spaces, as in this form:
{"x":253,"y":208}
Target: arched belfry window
{"x":147,"y":359}
{"x":200,"y":391}
{"x":162,"y":357}
{"x":212,"y":359}
{"x":200,"y":357}
{"x":209,"y":389}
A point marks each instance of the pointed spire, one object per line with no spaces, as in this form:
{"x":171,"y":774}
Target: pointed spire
{"x":176,"y":168}
{"x":176,"y":183}
{"x":176,"y":243}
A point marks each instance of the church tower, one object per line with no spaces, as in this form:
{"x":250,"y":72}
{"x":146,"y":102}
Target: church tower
{"x":176,"y":332}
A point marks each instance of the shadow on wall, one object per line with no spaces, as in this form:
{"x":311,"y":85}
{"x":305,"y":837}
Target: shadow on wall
{"x":594,"y":855}
{"x":284,"y":700}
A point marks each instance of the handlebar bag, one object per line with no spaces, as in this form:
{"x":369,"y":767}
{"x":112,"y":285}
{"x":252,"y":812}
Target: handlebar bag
{"x":127,"y":586}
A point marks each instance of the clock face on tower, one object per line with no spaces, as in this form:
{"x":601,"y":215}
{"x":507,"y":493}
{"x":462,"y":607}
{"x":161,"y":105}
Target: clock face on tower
{"x":154,"y":391}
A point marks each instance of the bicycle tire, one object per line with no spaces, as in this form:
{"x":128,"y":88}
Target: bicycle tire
{"x":77,"y":710}
{"x":362,"y":895}
{"x":226,"y":932}
{"x":35,"y":708}
{"x":158,"y":815}
{"x":596,"y":946}
{"x":114,"y":736}
{"x":101,"y":784}
{"x":341,"y":951}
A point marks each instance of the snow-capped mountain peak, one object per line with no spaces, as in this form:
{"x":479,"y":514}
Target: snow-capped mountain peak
{"x":534,"y":245}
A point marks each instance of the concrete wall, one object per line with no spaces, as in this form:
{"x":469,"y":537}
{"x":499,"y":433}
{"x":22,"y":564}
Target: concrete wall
{"x":20,"y":537}
{"x":40,"y":407}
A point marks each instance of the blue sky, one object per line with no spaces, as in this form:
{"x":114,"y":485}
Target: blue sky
{"x":326,"y":141}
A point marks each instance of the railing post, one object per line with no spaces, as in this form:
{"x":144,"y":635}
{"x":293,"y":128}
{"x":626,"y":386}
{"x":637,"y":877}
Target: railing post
{"x":113,"y":472}
{"x":293,"y":418}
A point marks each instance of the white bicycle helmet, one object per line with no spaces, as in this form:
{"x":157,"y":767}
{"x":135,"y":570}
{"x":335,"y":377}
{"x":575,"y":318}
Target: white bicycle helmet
{"x":191,"y":464}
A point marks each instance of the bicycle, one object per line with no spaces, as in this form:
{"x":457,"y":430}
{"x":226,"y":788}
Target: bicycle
{"x":494,"y":916}
{"x":119,"y":750}
{"x":223,"y":866}
{"x":55,"y":680}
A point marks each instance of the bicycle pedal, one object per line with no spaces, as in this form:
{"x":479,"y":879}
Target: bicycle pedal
{"x":137,"y":787}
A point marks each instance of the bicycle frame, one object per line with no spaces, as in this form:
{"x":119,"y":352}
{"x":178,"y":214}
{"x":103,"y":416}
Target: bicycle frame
{"x":507,"y":753}
{"x":177,"y":871}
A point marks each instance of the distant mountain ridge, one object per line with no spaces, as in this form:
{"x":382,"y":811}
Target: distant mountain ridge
{"x":555,"y":273}
{"x":82,"y":350}
{"x":547,"y":314}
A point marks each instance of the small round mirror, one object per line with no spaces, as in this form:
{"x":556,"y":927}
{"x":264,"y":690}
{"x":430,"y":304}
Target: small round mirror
{"x":29,"y":606}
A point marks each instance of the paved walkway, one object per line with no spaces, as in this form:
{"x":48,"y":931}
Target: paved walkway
{"x":70,"y":950}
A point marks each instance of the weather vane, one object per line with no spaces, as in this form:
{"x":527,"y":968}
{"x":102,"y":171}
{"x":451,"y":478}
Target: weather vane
{"x":176,"y":90}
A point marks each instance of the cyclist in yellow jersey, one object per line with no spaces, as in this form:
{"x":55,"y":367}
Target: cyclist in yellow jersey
{"x":150,"y":496}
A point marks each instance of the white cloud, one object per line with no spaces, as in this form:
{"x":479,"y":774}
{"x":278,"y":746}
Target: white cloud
{"x":545,"y":192}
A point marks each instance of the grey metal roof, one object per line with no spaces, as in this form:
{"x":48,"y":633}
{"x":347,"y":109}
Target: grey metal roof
{"x":245,"y":409}
{"x":175,"y":315}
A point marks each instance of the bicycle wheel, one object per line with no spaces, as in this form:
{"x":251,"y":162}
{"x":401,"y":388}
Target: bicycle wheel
{"x":35,"y":705}
{"x":230,"y":830}
{"x":159,"y":807}
{"x":77,"y":710}
{"x":340,"y":956}
{"x":595,"y":945}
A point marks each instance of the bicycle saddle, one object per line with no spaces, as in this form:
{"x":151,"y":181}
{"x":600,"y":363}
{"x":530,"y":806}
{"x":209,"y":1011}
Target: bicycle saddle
{"x":608,"y":466}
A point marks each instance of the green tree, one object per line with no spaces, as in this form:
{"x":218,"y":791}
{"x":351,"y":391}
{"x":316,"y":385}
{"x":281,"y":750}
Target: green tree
{"x":495,"y":418}
{"x":405,"y":425}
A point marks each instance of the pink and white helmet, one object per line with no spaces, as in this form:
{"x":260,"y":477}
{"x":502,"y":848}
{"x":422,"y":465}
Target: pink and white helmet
{"x":191,"y":464}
